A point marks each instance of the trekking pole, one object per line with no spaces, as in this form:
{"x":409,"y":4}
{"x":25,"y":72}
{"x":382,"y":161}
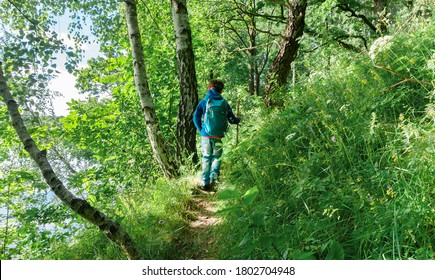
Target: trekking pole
{"x":237,"y":125}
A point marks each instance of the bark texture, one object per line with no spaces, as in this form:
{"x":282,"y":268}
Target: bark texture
{"x":162,"y":151}
{"x":254,"y":73}
{"x":111,"y":229}
{"x":186,"y":131}
{"x":279,"y":71}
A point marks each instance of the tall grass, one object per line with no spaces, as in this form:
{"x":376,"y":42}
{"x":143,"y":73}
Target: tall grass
{"x":346,"y":170}
{"x":154,"y":215}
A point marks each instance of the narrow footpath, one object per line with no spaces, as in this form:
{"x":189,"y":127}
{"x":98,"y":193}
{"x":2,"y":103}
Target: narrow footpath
{"x":198,"y":242}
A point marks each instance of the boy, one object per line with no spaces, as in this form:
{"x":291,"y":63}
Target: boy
{"x":211,"y":142}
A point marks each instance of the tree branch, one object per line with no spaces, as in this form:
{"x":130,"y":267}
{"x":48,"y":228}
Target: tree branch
{"x":23,"y":14}
{"x":281,"y":18}
{"x":32,"y":21}
{"x":355,"y":37}
{"x":153,"y":18}
{"x":63,"y":160}
{"x":270,"y":33}
{"x":251,"y":48}
{"x":346,"y":8}
{"x":348,"y":46}
{"x":232,"y":28}
{"x":405,"y":79}
{"x":110,"y":228}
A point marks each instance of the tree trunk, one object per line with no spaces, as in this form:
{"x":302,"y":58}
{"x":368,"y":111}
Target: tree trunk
{"x":279,"y":71}
{"x":165,"y":157}
{"x":111,"y":229}
{"x":254,"y":79}
{"x":186,"y":131}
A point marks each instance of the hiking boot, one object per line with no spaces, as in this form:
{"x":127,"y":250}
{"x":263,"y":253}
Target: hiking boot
{"x":214,"y":182}
{"x":207,"y":187}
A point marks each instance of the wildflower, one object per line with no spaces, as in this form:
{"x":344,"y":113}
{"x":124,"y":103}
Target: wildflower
{"x":330,"y":212}
{"x":430,"y":111}
{"x":301,"y":159}
{"x":379,"y":45}
{"x":290,"y":136}
{"x":372,"y":203}
{"x":333,"y":139}
{"x":390,"y":191}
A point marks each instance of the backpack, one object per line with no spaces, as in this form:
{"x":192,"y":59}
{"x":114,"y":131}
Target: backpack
{"x":215,"y":117}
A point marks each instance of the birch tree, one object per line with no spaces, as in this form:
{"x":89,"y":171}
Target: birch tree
{"x":162,"y":151}
{"x":186,"y":131}
{"x":110,"y":228}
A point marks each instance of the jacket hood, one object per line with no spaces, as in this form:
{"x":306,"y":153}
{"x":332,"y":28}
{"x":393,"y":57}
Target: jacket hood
{"x":213,"y":94}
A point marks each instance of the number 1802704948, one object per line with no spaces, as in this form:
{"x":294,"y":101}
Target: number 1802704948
{"x":265,"y":270}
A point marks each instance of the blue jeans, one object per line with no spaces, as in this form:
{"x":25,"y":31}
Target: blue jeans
{"x":211,"y":163}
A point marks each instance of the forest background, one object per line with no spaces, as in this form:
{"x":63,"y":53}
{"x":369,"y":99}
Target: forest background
{"x":333,"y":159}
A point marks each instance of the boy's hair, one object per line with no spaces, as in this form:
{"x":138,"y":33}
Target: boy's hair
{"x":217,"y":84}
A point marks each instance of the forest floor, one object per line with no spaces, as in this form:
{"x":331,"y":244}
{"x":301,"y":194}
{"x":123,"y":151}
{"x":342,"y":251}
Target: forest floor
{"x":198,"y":242}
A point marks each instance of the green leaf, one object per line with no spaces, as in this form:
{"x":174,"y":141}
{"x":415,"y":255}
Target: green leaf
{"x":266,"y":241}
{"x":250,"y":195}
{"x":229,"y":209}
{"x":228,"y":194}
{"x":245,"y":240}
{"x":92,"y":199}
{"x":297,"y":191}
{"x":299,"y":255}
{"x":258,"y":218}
{"x":336,"y":251}
{"x":260,"y":5}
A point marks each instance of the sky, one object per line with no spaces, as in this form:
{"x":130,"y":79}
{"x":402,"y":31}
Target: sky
{"x":65,"y":82}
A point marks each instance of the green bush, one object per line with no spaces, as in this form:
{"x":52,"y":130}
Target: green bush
{"x":346,"y":170}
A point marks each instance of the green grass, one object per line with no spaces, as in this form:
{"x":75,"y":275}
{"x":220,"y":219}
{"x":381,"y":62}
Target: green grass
{"x":154,"y":216}
{"x":345,"y":171}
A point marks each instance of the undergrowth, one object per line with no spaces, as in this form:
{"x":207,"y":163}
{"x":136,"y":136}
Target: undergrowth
{"x":345,"y":171}
{"x":153,"y":215}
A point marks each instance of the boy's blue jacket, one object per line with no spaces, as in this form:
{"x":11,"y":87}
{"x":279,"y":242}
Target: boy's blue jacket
{"x":200,"y":110}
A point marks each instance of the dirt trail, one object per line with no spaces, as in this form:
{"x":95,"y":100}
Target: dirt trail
{"x":198,"y":243}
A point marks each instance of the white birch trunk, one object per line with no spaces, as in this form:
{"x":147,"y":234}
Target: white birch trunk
{"x":165,"y":157}
{"x":111,"y":229}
